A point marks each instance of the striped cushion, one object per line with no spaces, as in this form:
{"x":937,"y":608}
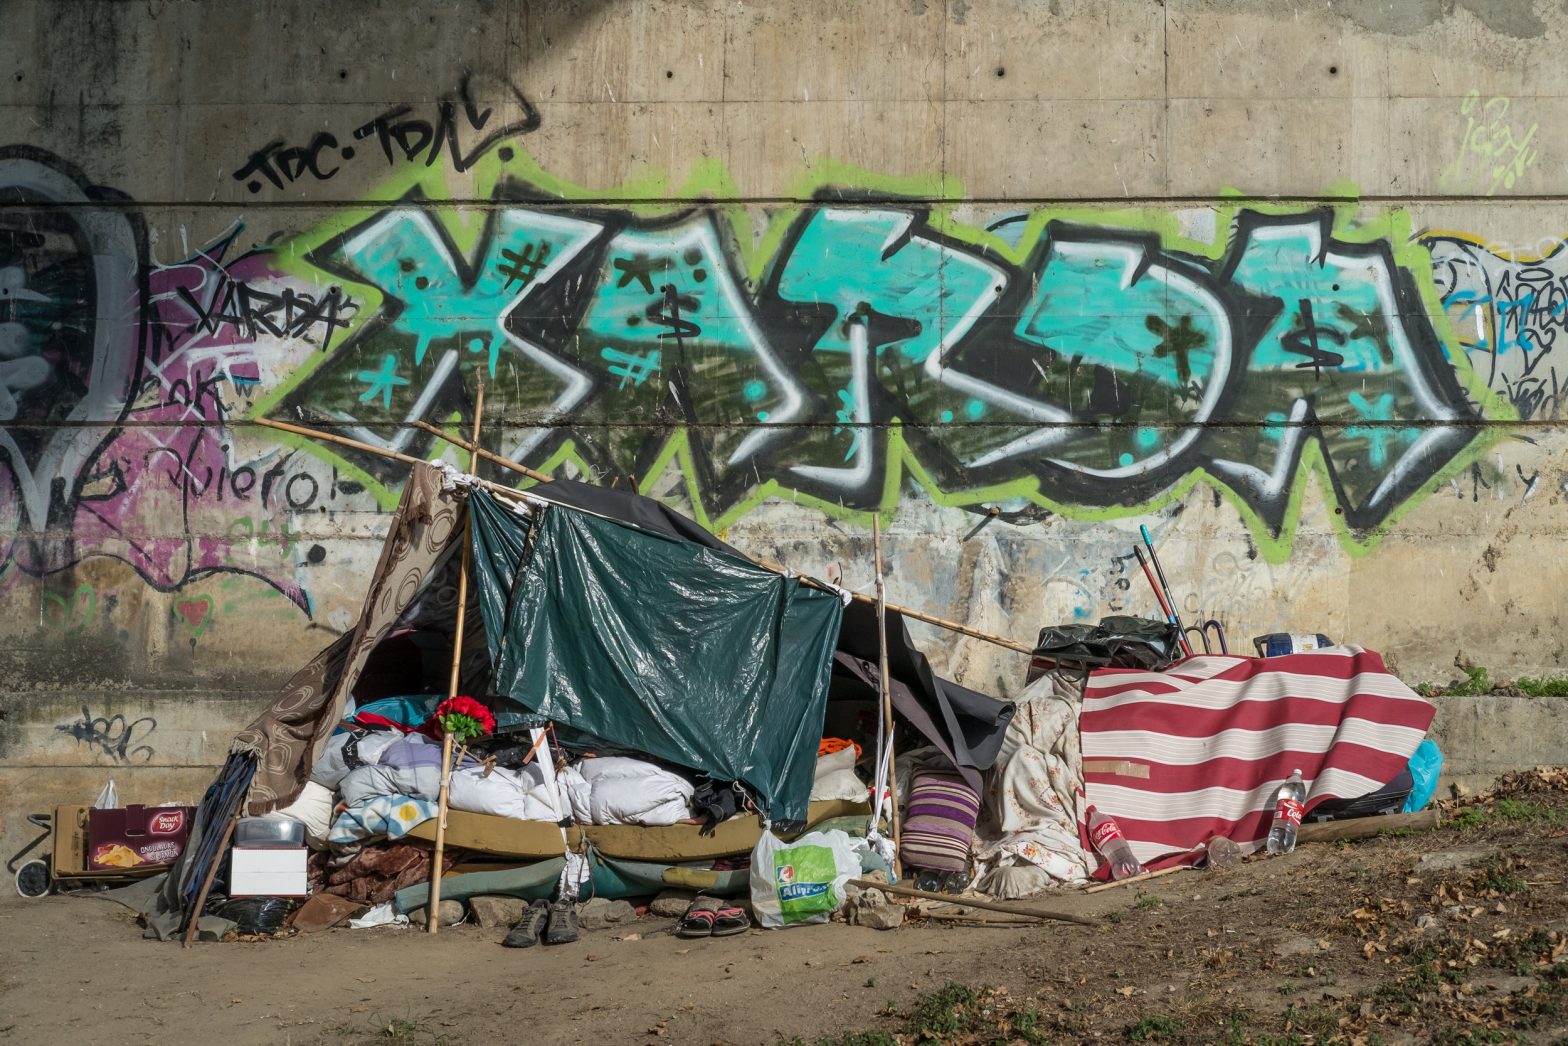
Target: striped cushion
{"x":940,"y":826}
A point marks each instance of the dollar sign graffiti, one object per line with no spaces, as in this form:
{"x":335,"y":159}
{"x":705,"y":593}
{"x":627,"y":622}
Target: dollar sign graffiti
{"x":1303,"y":341}
{"x":667,"y":313}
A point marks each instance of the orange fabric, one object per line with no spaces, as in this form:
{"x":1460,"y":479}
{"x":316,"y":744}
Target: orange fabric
{"x":830,"y":745}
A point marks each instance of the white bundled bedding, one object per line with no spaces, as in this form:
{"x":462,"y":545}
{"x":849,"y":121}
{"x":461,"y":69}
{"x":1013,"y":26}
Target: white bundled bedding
{"x":604,"y":790}
{"x":621,"y":790}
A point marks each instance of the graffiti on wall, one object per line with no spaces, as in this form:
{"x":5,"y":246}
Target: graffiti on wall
{"x":1082,"y":362}
{"x":1085,"y":365}
{"x":1509,"y":310}
{"x":1494,"y":150}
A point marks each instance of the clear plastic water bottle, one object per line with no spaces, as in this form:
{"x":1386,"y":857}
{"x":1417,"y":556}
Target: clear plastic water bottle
{"x":1278,"y":644}
{"x":1289,"y":803}
{"x":1107,"y":837}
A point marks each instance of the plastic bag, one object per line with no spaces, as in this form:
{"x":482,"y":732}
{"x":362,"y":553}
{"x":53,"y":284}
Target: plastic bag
{"x":254,"y":915}
{"x":1118,"y":641}
{"x":1425,"y":765}
{"x":801,"y":882}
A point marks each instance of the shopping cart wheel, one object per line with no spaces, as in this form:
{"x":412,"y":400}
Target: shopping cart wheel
{"x":32,"y":879}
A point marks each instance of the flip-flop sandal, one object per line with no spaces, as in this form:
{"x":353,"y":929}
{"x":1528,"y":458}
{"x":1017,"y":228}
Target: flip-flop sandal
{"x":729,"y":921}
{"x":698,"y":921}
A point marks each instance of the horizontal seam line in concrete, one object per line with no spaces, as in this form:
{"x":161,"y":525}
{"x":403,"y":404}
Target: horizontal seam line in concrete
{"x":859,"y":199}
{"x":1357,"y":423}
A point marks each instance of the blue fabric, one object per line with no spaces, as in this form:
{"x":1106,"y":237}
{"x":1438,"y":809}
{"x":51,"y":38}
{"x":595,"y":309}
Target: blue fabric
{"x":1425,"y":765}
{"x":411,"y":710}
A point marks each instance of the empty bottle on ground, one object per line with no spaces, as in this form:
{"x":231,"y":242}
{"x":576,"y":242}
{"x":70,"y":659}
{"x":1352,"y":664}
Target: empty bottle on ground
{"x":1288,"y":807}
{"x":1107,"y":837}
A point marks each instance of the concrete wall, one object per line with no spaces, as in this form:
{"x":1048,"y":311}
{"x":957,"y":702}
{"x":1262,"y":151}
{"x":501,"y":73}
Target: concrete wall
{"x":1284,"y":285}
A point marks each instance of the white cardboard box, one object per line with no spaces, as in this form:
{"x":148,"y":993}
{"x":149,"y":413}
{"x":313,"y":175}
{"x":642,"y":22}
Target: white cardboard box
{"x":267,"y":873}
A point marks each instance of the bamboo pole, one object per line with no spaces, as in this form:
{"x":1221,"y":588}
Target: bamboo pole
{"x":917,"y":615}
{"x":212,"y":873}
{"x":887,"y":692}
{"x":433,"y":903}
{"x":971,"y":902}
{"x":1136,"y":878}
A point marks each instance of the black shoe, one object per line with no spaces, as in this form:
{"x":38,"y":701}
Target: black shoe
{"x":526,"y":933}
{"x":564,"y":927}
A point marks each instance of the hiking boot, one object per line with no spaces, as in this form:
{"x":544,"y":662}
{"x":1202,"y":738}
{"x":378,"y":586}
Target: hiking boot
{"x":564,"y":927}
{"x":526,"y":933}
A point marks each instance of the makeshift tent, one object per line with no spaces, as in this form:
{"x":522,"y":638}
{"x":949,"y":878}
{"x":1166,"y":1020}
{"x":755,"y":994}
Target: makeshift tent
{"x":690,"y":654}
{"x":742,"y":705}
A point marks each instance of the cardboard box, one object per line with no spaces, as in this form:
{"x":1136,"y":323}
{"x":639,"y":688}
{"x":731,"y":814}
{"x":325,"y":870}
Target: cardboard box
{"x":127,"y":837}
{"x":70,"y":849}
{"x":267,"y":873}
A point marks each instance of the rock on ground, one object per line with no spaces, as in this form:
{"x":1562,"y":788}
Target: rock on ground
{"x":600,"y":914}
{"x":672,"y":904}
{"x":452,"y":913}
{"x":497,"y":912}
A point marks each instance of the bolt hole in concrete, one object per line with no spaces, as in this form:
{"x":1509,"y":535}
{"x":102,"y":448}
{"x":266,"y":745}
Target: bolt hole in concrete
{"x":342,"y":74}
{"x":1333,"y":70}
{"x":669,"y":74}
{"x":1001,"y":71}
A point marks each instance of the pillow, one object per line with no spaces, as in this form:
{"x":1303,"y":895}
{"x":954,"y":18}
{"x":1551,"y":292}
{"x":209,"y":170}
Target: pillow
{"x":519,"y":794}
{"x":836,"y":778}
{"x":313,"y":809}
{"x":940,"y":828}
{"x":631,"y":791}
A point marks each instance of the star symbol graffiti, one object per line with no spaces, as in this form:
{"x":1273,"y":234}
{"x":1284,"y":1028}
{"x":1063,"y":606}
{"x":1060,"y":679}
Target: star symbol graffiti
{"x":381,"y":382}
{"x":1379,"y":431}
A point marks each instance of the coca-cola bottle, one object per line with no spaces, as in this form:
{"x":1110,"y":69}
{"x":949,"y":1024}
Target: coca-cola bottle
{"x":1107,"y":837}
{"x":1288,"y":807}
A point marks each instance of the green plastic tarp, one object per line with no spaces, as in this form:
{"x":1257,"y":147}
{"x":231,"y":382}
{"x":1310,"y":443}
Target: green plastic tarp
{"x":687,"y":653}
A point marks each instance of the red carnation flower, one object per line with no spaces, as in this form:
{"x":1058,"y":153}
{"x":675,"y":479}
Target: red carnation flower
{"x":464,"y":719}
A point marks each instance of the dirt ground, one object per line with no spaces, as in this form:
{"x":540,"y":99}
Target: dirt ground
{"x":1453,"y":935}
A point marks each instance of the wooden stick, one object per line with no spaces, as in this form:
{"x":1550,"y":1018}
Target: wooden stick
{"x":887,"y":691}
{"x":533,"y":474}
{"x":970,"y":902}
{"x":1366,"y":827}
{"x":1136,"y":878}
{"x":930,"y":619}
{"x":212,"y":873}
{"x":981,"y":920}
{"x":433,"y":902}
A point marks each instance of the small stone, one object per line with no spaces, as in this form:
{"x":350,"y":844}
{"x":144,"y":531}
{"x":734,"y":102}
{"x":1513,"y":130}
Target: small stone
{"x":1295,"y":948}
{"x":882,"y":917}
{"x":1424,"y":922}
{"x":672,"y":904}
{"x":876,"y":875}
{"x":497,"y":912}
{"x":1449,"y":860}
{"x":601,"y":913}
{"x":452,"y":913}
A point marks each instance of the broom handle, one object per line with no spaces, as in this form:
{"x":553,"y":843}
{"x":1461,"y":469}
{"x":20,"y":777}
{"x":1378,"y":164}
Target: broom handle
{"x":433,"y":903}
{"x":887,"y":693}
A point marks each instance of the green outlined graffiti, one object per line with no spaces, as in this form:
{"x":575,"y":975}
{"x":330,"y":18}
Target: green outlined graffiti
{"x":1094,"y":363}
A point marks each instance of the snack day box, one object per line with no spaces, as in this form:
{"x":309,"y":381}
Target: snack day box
{"x":132,"y":837}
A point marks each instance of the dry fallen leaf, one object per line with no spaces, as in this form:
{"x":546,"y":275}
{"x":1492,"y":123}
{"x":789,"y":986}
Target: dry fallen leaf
{"x":1125,"y":991}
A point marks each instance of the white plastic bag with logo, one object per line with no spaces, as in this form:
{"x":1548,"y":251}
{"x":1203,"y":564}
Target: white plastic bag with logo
{"x":801,"y":882}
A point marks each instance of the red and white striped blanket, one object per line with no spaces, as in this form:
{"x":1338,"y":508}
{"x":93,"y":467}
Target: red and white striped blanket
{"x":1179,"y":756}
